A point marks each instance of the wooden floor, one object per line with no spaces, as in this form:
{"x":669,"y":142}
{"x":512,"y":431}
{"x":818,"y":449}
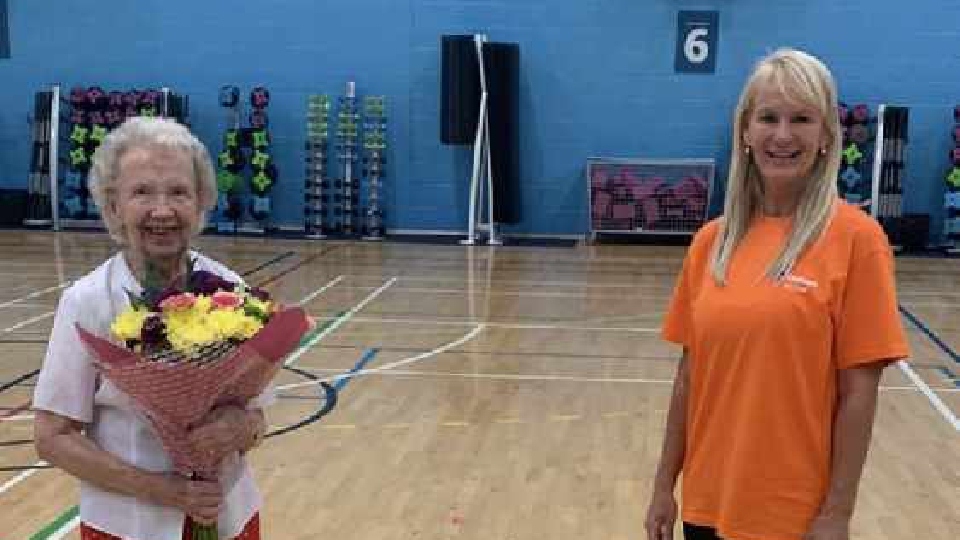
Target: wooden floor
{"x":511,"y":393}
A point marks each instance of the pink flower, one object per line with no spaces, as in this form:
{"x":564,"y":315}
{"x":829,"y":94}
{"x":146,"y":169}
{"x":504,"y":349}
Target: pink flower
{"x":226,"y":300}
{"x":178,"y":302}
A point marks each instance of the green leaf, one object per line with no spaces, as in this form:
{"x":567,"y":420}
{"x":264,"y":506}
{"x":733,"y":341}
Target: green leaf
{"x":135,"y":301}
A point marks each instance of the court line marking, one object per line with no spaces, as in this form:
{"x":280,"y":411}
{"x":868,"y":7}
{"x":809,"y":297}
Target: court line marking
{"x":522,"y":283}
{"x":321,"y":290}
{"x":20,"y":477}
{"x":546,"y":294}
{"x":931,"y":396}
{"x":390,"y":366}
{"x":67,"y":528}
{"x":926,"y":293}
{"x":511,"y":326}
{"x":339,"y":321}
{"x":25,"y":305}
{"x":935,"y":400}
{"x":17,"y":418}
{"x":367,"y":357}
{"x":29,"y":321}
{"x":560,"y":378}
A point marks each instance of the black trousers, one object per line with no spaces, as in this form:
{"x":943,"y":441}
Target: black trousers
{"x":698,"y":532}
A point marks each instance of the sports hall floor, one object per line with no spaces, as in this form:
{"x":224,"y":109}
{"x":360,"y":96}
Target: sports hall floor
{"x":511,"y":393}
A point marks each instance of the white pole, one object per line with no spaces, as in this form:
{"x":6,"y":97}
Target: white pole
{"x":54,"y":133}
{"x":877,"y":162}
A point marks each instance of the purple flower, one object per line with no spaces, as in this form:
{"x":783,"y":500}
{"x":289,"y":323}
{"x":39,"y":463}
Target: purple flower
{"x":153,"y":331}
{"x":207,"y":283}
{"x":166,"y":292}
{"x":259,"y":294}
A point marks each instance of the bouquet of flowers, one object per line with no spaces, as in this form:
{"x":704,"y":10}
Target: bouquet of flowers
{"x":190,"y":347}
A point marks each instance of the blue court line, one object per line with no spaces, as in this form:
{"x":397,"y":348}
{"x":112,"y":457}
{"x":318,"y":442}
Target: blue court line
{"x":949,"y":375}
{"x":930,"y":334}
{"x":938,"y":342}
{"x":342,"y":380}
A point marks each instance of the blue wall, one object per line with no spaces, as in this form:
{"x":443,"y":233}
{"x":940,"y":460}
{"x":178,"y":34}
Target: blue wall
{"x":596,"y":79}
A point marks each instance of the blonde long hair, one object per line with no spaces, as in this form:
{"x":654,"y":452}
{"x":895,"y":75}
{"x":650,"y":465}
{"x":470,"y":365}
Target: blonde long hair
{"x":805,"y":79}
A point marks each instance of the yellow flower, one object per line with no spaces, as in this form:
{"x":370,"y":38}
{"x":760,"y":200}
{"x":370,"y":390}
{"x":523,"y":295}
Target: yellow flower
{"x":188,"y":337}
{"x":227,"y":323}
{"x":250,"y":327}
{"x":127,"y":325}
{"x":202,"y":305}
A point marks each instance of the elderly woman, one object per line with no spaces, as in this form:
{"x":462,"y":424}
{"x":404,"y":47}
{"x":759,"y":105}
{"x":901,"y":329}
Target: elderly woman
{"x":787,"y":314}
{"x":153,"y":182}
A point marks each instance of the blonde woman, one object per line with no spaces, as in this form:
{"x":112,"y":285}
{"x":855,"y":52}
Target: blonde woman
{"x":786,"y":311}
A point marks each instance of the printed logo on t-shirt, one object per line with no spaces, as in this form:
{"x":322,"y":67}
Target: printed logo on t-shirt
{"x":798,"y":283}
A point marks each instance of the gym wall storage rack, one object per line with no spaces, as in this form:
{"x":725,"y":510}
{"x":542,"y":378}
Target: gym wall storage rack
{"x":67,"y":129}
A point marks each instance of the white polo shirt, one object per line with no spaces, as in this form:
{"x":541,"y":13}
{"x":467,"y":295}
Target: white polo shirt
{"x":69,"y":385}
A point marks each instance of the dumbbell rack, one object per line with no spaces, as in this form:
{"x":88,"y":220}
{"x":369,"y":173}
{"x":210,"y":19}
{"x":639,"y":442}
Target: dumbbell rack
{"x":951,"y":199}
{"x":375,"y":145}
{"x":887,"y":187}
{"x":230,"y":163}
{"x":346,"y":192}
{"x":80,"y":120}
{"x":43,"y":165}
{"x":263,"y":167}
{"x":315,"y":198}
{"x":857,"y":147}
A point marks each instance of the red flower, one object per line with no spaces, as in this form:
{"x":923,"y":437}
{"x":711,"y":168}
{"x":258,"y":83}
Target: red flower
{"x":179,"y":301}
{"x":226,"y":300}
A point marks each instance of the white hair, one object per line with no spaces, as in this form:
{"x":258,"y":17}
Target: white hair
{"x":139,"y":132}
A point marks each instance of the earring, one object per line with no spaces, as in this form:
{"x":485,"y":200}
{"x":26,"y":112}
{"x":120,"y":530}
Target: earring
{"x":823,"y":151}
{"x":746,"y":150}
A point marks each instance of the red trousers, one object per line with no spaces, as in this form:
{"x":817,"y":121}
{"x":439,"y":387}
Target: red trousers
{"x":251,"y":531}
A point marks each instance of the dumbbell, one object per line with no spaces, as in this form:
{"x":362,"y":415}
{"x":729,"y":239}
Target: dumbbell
{"x":258,"y":119}
{"x":859,"y":133}
{"x":259,"y":97}
{"x":229,"y":96}
{"x":861,"y":113}
{"x":843,"y":112}
{"x":96,"y":97}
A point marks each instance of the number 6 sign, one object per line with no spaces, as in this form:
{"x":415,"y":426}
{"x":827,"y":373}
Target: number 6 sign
{"x":697,"y":33}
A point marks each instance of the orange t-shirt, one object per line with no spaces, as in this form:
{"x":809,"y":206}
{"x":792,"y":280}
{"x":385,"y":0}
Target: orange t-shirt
{"x":763,"y":362}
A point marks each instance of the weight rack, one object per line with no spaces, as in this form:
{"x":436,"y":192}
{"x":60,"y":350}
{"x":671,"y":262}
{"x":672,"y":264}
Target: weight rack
{"x":951,"y":198}
{"x":61,"y":120}
{"x":374,"y":144}
{"x":886,"y":201}
{"x":346,"y":192}
{"x":315,"y":198}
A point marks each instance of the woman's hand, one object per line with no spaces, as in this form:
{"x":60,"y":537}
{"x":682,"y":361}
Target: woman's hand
{"x":202,"y":500}
{"x":224,"y":430}
{"x":828,"y":527}
{"x":661,"y":516}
